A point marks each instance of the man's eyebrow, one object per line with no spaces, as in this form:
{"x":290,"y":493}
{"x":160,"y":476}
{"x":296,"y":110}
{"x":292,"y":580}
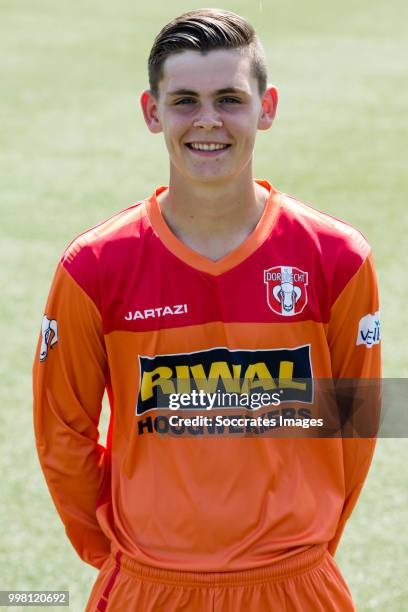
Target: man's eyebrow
{"x":227,"y":90}
{"x":182,"y":92}
{"x":190,"y":92}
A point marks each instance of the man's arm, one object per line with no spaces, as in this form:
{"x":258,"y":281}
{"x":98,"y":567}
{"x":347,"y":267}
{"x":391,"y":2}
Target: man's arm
{"x":69,"y":378}
{"x":353,"y":336}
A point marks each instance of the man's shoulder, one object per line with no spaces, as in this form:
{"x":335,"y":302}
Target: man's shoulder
{"x":327,"y":232}
{"x":95,"y":255}
{"x":111,"y":231}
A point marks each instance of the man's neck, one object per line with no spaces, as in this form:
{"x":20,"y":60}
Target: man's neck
{"x":213,"y":220}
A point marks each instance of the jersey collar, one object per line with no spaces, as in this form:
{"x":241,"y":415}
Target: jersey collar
{"x":234,"y":257}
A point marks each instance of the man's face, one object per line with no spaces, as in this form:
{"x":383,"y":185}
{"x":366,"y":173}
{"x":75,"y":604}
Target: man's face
{"x":209,"y":110}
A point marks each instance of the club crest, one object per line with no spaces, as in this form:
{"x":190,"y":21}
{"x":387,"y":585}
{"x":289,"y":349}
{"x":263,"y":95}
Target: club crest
{"x":286,"y":290}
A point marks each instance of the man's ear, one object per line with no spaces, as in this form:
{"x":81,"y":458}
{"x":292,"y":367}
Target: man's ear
{"x":269,"y":106}
{"x":149,"y":108}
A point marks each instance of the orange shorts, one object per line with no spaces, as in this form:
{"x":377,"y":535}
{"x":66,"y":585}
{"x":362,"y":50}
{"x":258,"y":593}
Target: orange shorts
{"x":308,"y":582}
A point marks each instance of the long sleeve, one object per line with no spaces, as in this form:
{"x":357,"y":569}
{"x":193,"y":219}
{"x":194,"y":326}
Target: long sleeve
{"x":354,"y":342}
{"x":69,"y":377}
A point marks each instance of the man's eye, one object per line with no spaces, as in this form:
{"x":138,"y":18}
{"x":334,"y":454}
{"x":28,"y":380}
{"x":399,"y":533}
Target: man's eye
{"x":184,"y":101}
{"x":229,"y":100}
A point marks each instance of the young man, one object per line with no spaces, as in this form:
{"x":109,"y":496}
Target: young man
{"x":216,"y":281}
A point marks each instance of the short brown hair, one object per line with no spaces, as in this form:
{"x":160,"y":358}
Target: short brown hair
{"x":205,"y":30}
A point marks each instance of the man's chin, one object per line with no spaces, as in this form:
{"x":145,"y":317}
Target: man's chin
{"x":210,"y":178}
{"x":206,"y":176}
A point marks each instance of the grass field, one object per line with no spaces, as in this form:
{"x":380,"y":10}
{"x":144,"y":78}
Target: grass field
{"x":75,"y":149}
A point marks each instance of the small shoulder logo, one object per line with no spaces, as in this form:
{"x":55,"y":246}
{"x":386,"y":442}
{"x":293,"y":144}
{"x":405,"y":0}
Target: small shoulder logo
{"x":49,"y":335}
{"x":369,"y":330}
{"x":286,"y":291}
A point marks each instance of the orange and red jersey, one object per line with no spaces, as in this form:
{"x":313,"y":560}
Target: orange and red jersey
{"x":133,"y":310}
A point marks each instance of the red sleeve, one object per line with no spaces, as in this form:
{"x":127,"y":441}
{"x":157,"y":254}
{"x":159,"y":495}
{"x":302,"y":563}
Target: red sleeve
{"x":69,"y":377}
{"x":354,"y":341}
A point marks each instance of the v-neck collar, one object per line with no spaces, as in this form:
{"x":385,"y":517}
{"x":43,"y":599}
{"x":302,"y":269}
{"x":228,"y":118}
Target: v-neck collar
{"x":231,"y":259}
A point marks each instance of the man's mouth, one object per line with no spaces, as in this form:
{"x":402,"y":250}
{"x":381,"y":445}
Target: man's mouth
{"x":207,"y":146}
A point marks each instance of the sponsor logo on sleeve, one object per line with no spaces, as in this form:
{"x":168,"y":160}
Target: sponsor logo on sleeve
{"x":286,"y":290}
{"x":49,"y":336}
{"x":369,"y":330}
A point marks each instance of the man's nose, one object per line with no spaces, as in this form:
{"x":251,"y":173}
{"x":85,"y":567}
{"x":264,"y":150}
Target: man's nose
{"x":207,"y":118}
